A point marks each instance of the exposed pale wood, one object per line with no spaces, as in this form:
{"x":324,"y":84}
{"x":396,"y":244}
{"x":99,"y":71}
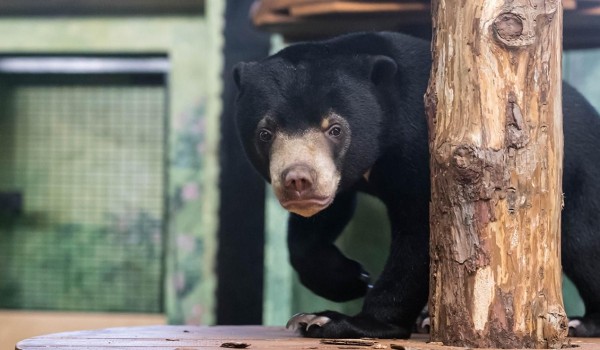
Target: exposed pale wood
{"x":194,"y":337}
{"x":495,"y":119}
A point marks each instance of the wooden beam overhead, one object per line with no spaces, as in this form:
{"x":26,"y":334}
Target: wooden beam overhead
{"x":317,"y":19}
{"x":348,"y":7}
{"x":569,"y":4}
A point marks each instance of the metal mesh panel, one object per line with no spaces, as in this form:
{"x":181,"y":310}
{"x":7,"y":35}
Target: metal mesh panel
{"x":86,"y":163}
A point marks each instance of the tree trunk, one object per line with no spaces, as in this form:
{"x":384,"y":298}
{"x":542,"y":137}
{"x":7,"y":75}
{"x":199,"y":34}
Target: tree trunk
{"x":495,"y":119}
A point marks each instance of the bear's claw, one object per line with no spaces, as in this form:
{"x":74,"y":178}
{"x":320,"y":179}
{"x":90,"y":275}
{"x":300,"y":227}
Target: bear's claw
{"x":366,"y":277}
{"x":302,"y":320}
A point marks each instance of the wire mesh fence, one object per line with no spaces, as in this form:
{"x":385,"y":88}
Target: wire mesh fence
{"x":84,"y":164}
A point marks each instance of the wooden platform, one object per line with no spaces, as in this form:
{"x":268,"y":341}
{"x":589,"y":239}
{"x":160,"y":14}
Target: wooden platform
{"x":249,"y":337}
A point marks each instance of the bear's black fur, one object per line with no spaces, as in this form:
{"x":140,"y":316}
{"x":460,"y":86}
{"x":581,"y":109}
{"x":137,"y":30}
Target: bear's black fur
{"x":359,"y":99}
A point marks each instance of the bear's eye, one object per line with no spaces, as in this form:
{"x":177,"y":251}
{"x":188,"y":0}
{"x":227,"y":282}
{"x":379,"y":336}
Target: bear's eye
{"x":265,"y":135}
{"x":335,"y":131}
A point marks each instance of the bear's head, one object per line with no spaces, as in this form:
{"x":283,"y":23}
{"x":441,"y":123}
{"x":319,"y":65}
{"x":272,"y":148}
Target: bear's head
{"x":310,"y":121}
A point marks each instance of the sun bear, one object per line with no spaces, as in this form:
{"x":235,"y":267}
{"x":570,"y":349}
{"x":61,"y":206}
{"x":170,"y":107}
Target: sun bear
{"x":322,"y":121}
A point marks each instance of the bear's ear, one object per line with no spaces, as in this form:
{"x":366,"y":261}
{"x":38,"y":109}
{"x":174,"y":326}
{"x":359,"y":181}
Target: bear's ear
{"x":383,"y":68}
{"x":239,"y":71}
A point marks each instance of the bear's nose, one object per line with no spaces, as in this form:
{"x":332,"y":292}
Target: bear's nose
{"x":299,"y":179}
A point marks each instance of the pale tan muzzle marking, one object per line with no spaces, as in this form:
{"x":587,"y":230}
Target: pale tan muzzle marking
{"x":310,"y":149}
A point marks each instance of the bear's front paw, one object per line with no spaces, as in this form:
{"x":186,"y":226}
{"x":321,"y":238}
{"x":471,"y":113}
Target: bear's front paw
{"x":588,"y":326}
{"x":331,"y":324}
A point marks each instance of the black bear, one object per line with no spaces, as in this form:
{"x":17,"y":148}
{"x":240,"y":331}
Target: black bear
{"x":321,"y":121}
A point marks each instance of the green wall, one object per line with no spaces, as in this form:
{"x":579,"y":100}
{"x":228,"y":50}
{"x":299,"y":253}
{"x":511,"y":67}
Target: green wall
{"x":193,"y":45}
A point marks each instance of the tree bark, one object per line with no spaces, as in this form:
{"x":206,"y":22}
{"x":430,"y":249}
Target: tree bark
{"x":494,"y":110}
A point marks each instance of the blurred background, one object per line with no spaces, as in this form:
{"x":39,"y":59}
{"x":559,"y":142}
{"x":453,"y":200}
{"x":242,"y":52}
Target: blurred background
{"x":125,"y":197}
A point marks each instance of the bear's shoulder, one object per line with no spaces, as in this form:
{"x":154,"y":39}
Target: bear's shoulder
{"x":399,"y":46}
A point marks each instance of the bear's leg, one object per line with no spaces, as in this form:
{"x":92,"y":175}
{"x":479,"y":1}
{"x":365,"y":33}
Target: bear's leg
{"x":587,"y":280}
{"x":581,"y":225}
{"x":581,"y":214}
{"x":321,"y":266}
{"x":391,"y":306}
{"x":581,"y":265}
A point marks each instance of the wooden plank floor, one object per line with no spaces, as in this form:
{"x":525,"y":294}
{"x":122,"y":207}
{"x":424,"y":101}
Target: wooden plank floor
{"x":190,"y":337}
{"x":16,"y":325}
